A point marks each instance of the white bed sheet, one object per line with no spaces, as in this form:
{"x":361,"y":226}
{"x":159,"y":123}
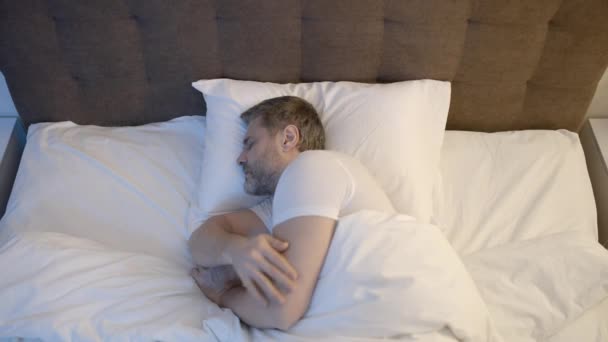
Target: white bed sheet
{"x":591,"y":326}
{"x":497,"y":188}
{"x":535,"y":288}
{"x":509,"y":193}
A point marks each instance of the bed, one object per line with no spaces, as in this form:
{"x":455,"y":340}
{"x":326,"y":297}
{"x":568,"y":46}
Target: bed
{"x":107,"y":189}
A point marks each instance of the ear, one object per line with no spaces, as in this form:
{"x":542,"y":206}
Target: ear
{"x":290,"y":138}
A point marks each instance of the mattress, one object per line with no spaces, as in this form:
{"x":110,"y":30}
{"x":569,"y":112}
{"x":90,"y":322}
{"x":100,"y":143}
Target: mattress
{"x":521,"y":177}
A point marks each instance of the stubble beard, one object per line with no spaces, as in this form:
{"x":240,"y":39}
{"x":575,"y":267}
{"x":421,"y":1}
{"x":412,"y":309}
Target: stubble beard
{"x":260,"y":181}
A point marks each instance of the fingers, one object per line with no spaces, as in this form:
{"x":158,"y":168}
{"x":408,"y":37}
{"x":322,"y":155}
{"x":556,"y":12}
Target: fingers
{"x":253,"y":290}
{"x":269,"y":289}
{"x":277,"y":276}
{"x":281,"y":263}
{"x":261,"y":268}
{"x":277,"y":244}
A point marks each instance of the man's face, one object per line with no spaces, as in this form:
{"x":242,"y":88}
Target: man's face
{"x":260,"y":160}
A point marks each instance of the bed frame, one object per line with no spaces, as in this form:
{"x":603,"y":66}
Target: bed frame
{"x":516,"y":64}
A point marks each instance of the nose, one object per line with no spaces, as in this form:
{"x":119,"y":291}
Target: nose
{"x":242,"y":158}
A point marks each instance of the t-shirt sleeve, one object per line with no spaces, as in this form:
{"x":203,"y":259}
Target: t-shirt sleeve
{"x":264,"y":211}
{"x":314,"y":184}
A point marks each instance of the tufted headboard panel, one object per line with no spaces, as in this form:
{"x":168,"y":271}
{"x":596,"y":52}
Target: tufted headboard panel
{"x":516,"y":64}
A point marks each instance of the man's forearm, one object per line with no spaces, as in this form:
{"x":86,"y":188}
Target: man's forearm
{"x":252,"y":312}
{"x":209,"y":245}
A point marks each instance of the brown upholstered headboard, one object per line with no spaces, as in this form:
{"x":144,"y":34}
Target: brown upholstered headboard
{"x":514,"y":64}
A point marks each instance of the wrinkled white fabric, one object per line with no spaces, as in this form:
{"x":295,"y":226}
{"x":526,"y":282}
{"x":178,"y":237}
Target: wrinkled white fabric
{"x":384,"y":276}
{"x":536,"y":287}
{"x":510,"y":186}
{"x":126,"y":187}
{"x":61,"y":288}
{"x":388,"y":276}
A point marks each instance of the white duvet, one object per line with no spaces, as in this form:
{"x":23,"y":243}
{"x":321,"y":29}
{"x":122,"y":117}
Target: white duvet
{"x":385,"y":276}
{"x":535,"y":287}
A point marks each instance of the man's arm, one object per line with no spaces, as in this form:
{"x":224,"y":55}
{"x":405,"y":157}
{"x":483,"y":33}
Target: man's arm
{"x":240,"y":239}
{"x":208,"y":243}
{"x":309,"y":238}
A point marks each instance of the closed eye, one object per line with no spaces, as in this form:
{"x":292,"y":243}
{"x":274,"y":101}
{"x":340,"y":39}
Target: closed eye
{"x":247,"y":143}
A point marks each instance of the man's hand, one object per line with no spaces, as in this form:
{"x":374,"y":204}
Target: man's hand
{"x":215,"y":281}
{"x":261,"y":266}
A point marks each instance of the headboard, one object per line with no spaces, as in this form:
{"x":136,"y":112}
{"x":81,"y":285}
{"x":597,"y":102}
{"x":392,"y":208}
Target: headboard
{"x":520,"y":64}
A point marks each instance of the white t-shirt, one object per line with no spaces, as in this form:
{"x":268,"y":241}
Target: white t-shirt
{"x":322,"y":183}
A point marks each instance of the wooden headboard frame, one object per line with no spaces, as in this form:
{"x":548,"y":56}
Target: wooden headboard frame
{"x":514,"y":64}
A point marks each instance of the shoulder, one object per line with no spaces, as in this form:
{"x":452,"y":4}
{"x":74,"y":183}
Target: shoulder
{"x":321,"y":168}
{"x":314,"y":184}
{"x":318,"y":160}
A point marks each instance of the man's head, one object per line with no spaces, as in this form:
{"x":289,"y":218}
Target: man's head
{"x":278,"y":130}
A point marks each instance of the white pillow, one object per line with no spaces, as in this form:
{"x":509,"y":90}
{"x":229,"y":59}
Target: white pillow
{"x":126,"y":187}
{"x":511,"y":186}
{"x":394,"y":129}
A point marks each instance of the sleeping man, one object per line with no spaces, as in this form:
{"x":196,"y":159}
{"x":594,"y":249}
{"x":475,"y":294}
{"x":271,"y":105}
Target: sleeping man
{"x":263,"y":263}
